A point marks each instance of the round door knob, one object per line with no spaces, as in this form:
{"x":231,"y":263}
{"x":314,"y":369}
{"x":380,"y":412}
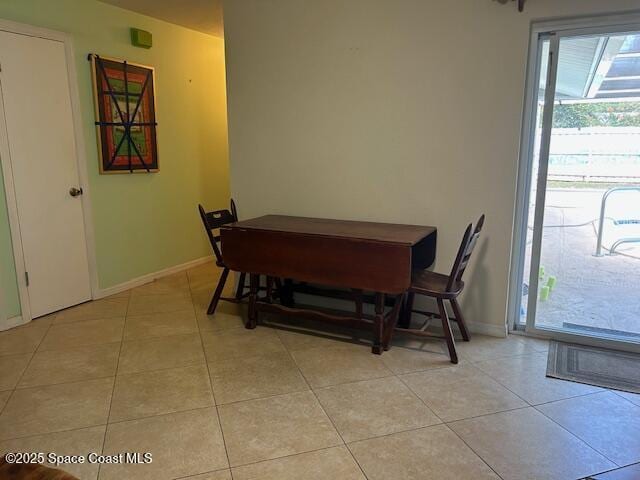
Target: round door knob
{"x":74,"y":192}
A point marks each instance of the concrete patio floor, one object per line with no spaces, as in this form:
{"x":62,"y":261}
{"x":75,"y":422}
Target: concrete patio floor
{"x":599,"y":293}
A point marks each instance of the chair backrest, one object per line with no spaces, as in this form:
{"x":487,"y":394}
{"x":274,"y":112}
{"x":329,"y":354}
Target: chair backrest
{"x":214,"y":220}
{"x":469,"y":241}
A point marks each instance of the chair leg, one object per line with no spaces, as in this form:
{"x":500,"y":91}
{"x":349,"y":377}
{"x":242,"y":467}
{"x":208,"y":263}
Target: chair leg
{"x":446,"y":327}
{"x":241,"y":286}
{"x":405,"y":319}
{"x":460,"y":320}
{"x":218,"y":293}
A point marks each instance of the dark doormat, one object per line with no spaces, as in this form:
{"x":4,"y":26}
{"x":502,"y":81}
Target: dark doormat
{"x":594,"y":366}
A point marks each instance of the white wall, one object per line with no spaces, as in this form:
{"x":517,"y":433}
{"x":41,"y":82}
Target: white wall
{"x":389,"y":110}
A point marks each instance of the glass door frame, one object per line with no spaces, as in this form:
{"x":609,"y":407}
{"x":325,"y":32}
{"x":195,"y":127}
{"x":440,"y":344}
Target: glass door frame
{"x":552,"y":31}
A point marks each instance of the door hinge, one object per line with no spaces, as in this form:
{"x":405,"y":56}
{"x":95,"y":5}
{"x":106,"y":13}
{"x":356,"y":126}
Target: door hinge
{"x":26,"y":278}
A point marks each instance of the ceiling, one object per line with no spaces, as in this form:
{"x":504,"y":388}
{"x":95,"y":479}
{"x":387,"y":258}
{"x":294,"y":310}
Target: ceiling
{"x":201,"y":15}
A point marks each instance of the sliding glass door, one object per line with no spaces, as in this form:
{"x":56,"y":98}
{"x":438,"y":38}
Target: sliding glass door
{"x":577,"y":251}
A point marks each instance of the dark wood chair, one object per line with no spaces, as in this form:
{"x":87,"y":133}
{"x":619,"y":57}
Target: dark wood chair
{"x":441,"y":287}
{"x":212,"y":221}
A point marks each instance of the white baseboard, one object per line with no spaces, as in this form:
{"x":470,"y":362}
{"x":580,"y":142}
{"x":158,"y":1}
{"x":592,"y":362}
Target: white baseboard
{"x":489,"y":329}
{"x":150,"y":277}
{"x":479,"y":328}
{"x":11,"y":323}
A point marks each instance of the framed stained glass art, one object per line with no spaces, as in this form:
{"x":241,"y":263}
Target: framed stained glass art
{"x":124,"y":98}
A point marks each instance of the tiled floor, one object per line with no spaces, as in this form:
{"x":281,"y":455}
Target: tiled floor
{"x":149,"y":371}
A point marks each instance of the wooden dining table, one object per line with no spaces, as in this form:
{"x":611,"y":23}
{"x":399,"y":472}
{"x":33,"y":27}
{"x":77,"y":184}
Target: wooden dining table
{"x":360,"y":259}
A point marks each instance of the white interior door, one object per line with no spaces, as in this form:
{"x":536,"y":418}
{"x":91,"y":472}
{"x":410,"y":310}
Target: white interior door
{"x":36,"y":106}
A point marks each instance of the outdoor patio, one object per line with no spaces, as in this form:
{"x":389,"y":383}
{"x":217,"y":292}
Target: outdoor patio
{"x":600,"y":294}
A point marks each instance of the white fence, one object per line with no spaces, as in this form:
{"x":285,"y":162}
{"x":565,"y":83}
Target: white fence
{"x":602,"y":154}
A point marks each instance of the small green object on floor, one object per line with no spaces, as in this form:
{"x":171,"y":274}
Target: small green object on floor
{"x":544,"y":294}
{"x":541,"y":272}
{"x":551,"y":282}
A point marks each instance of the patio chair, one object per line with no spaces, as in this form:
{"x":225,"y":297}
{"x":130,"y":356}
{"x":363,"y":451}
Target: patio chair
{"x":441,"y":287}
{"x":213,"y":221}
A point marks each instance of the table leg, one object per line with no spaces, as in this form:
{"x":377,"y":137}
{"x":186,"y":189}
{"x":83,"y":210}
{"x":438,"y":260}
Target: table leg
{"x":357,"y":293}
{"x":286,"y":293}
{"x":407,"y":307}
{"x":392,"y":321}
{"x":254,"y":283}
{"x":378,"y":324}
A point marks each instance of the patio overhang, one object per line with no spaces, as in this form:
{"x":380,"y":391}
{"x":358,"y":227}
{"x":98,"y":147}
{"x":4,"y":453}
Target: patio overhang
{"x":602,"y":68}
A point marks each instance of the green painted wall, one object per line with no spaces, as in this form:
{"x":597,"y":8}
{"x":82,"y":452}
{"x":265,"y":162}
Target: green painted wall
{"x":143,"y":222}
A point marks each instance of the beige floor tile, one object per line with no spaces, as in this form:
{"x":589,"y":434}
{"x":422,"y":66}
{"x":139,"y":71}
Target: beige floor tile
{"x":123,"y":294}
{"x":526,"y":376}
{"x":219,"y":475}
{"x":202,"y":298}
{"x":71,"y":365}
{"x":632,"y":397}
{"x":182,"y":444}
{"x":461,"y":392}
{"x":164,"y":391}
{"x":78,"y":334}
{"x":4,"y":396}
{"x":205,"y":277}
{"x":22,"y":339}
{"x":296,"y":337}
{"x":407,"y":360}
{"x":147,"y":304}
{"x":543,"y":449}
{"x":608,"y":423}
{"x":104,"y":308}
{"x":219,"y":322}
{"x":373,"y":408}
{"x":538,"y":344}
{"x":163,"y":352}
{"x":274,"y":427}
{"x":486,"y":348}
{"x":241,"y":343}
{"x":323,"y":367}
{"x":160,"y":324}
{"x":245,"y":378}
{"x":429,"y":453}
{"x":331,"y":463}
{"x":11,"y":369}
{"x":423,"y":344}
{"x":45,"y":319}
{"x":38,"y":410}
{"x":172,"y":284}
{"x":74,"y":442}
